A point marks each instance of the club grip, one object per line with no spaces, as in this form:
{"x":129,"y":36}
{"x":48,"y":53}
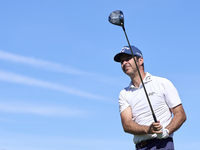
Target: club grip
{"x":154,"y":117}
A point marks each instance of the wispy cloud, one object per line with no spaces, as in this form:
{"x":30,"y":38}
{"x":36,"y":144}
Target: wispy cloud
{"x":16,"y":78}
{"x":42,"y":110}
{"x":39,"y":63}
{"x":53,"y":66}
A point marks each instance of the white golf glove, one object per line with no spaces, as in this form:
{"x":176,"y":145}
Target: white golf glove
{"x":164,"y":134}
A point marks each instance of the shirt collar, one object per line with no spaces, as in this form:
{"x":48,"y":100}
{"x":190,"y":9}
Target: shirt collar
{"x":147,"y":78}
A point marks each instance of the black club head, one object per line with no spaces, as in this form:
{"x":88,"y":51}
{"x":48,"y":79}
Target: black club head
{"x":116,"y":18}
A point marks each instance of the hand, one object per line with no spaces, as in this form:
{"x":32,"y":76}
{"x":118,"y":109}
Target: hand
{"x":164,"y":134}
{"x":155,"y":127}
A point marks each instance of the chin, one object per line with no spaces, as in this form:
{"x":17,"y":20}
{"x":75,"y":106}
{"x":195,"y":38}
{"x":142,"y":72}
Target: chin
{"x":128,"y":73}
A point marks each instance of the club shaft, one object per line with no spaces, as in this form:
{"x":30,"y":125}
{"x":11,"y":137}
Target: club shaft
{"x":154,"y":116}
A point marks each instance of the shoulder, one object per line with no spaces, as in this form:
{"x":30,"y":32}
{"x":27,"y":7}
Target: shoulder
{"x":164,"y":84}
{"x":124,"y":91}
{"x":161,"y":80}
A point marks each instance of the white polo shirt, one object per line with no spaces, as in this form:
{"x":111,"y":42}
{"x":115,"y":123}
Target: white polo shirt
{"x":162,"y":94}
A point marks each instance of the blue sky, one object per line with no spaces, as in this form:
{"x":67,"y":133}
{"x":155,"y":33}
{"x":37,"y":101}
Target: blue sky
{"x":59,"y":83}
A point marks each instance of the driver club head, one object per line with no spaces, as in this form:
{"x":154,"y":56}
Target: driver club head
{"x":116,"y":18}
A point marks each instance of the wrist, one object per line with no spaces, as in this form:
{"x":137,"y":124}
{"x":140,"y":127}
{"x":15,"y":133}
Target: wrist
{"x":167,"y":131}
{"x":147,"y":129}
{"x":164,"y":134}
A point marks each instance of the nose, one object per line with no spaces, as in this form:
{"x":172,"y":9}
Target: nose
{"x":123,"y":62}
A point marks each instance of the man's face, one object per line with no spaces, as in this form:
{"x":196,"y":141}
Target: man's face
{"x":127,"y":64}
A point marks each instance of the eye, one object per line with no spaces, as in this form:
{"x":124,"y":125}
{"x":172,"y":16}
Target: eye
{"x":128,"y":58}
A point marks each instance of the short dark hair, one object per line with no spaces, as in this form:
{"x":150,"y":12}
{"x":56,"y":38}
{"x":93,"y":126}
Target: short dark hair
{"x":137,"y":57}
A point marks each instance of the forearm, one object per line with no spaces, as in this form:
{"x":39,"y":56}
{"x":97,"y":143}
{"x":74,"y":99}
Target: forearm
{"x":178,"y":119}
{"x":134,"y":128}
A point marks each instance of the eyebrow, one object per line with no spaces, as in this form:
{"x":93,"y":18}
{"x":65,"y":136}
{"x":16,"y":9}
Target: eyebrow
{"x":126,"y":58}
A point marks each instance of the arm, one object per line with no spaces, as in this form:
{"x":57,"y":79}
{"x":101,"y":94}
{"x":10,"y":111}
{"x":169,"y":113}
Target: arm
{"x":178,"y":119}
{"x":131,"y":127}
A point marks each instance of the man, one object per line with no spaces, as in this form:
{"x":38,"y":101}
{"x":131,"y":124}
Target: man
{"x":134,"y":108}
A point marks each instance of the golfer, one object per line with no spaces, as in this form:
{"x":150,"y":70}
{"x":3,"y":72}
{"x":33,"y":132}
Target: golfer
{"x":135,"y":112}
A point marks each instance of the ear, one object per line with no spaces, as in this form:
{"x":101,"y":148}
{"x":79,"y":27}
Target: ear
{"x":141,"y":61}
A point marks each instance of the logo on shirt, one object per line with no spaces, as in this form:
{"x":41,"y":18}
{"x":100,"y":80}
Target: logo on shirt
{"x":152,"y":93}
{"x":148,"y":78}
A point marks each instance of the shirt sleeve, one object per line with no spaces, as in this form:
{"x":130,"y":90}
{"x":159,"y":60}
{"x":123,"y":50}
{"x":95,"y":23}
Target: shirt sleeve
{"x":123,"y":103}
{"x":171,"y":94}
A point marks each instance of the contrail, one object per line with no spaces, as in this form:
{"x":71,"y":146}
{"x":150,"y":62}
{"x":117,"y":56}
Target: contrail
{"x":52,"y":66}
{"x":39,"y":63}
{"x":16,"y":78}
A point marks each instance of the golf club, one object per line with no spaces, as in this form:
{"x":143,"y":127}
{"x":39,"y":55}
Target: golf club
{"x":117,"y":18}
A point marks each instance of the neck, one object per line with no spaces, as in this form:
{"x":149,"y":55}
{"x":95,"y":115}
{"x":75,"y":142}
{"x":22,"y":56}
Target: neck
{"x":136,"y":81}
